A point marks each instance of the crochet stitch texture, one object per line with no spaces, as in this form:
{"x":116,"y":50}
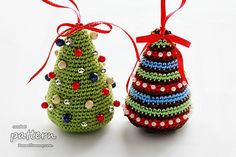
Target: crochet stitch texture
{"x":71,"y":113}
{"x":159,"y":99}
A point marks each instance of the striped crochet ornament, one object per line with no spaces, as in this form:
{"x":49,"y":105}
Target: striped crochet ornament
{"x":159,"y":97}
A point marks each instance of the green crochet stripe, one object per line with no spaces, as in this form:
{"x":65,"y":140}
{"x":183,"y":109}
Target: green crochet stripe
{"x":158,"y":112}
{"x":160,"y":44}
{"x":88,"y":90}
{"x":158,"y":76}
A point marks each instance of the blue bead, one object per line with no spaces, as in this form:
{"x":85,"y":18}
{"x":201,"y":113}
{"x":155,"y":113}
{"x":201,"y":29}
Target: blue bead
{"x":47,"y":78}
{"x":67,"y":118}
{"x":93,"y":77}
{"x":114,"y":85}
{"x":60,"y":42}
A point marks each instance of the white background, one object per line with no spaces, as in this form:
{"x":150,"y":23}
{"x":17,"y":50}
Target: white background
{"x":27,"y":29}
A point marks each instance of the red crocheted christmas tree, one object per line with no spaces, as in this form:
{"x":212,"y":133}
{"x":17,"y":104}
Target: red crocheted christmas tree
{"x":159,"y":97}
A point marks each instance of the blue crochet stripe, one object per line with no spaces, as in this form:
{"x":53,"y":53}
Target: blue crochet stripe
{"x":159,"y":65}
{"x":161,"y":100}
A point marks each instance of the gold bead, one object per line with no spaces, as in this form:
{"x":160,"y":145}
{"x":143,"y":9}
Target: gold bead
{"x":62,"y":65}
{"x":89,"y":104}
{"x":110,"y":80}
{"x":56,"y":99}
{"x":93,"y":35}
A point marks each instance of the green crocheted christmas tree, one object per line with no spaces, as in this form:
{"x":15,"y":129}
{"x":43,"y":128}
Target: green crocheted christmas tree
{"x":79,"y":97}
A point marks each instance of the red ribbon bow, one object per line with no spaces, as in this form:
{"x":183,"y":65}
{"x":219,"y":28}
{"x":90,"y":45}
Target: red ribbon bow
{"x":72,"y":28}
{"x":171,"y":38}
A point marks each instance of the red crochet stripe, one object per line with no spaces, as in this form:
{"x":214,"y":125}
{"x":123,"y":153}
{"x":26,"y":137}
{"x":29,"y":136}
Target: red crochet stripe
{"x":148,"y":87}
{"x":161,"y":55}
{"x":178,"y":121}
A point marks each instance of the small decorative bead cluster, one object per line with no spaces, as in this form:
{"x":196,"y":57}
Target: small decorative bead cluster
{"x":159,"y":54}
{"x":157,"y":87}
{"x":166,"y":123}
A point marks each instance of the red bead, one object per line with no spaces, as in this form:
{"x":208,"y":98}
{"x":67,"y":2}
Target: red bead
{"x":101,"y":59}
{"x":76,"y":85}
{"x":78,"y":53}
{"x":44,"y":105}
{"x":100,"y":118}
{"x":116,"y":103}
{"x":51,"y":75}
{"x":105,"y":91}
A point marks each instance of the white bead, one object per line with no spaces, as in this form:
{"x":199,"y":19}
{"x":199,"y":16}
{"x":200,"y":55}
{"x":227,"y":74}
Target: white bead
{"x":132,"y":115}
{"x":126,"y":112}
{"x":138,"y":119}
{"x":168,"y":54}
{"x":162,"y":89}
{"x":184,"y":83}
{"x":146,"y":122}
{"x":62,"y":65}
{"x":58,"y":82}
{"x":138,"y":83}
{"x":173,"y":89}
{"x":67,"y":102}
{"x":153,"y":86}
{"x":111,"y":109}
{"x":177,"y":120}
{"x":171,"y":122}
{"x":154,"y":123}
{"x":144,"y":85}
{"x":93,"y":35}
{"x":95,"y":53}
{"x":160,"y":54}
{"x":56,"y":99}
{"x":50,"y":107}
{"x":81,"y":70}
{"x":84,"y":124}
{"x":104,"y":70}
{"x":162,"y":124}
{"x":185,"y":116}
{"x":180,"y":85}
{"x":149,"y":53}
{"x":110,"y":80}
{"x":68,"y":41}
{"x":89,"y":104}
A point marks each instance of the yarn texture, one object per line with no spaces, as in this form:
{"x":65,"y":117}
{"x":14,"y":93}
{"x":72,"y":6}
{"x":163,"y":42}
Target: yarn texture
{"x":159,"y":98}
{"x":81,"y":105}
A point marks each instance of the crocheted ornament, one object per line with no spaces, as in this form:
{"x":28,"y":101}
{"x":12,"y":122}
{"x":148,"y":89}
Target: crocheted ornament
{"x":79,"y":97}
{"x":159,"y":97}
{"x":76,"y":89}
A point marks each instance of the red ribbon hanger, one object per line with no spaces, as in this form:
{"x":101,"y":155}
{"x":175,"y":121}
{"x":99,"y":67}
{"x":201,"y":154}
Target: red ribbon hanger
{"x":171,"y":38}
{"x":72,"y":28}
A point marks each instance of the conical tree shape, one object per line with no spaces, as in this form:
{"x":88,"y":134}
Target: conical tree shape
{"x":159,"y":99}
{"x":80,"y":94}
